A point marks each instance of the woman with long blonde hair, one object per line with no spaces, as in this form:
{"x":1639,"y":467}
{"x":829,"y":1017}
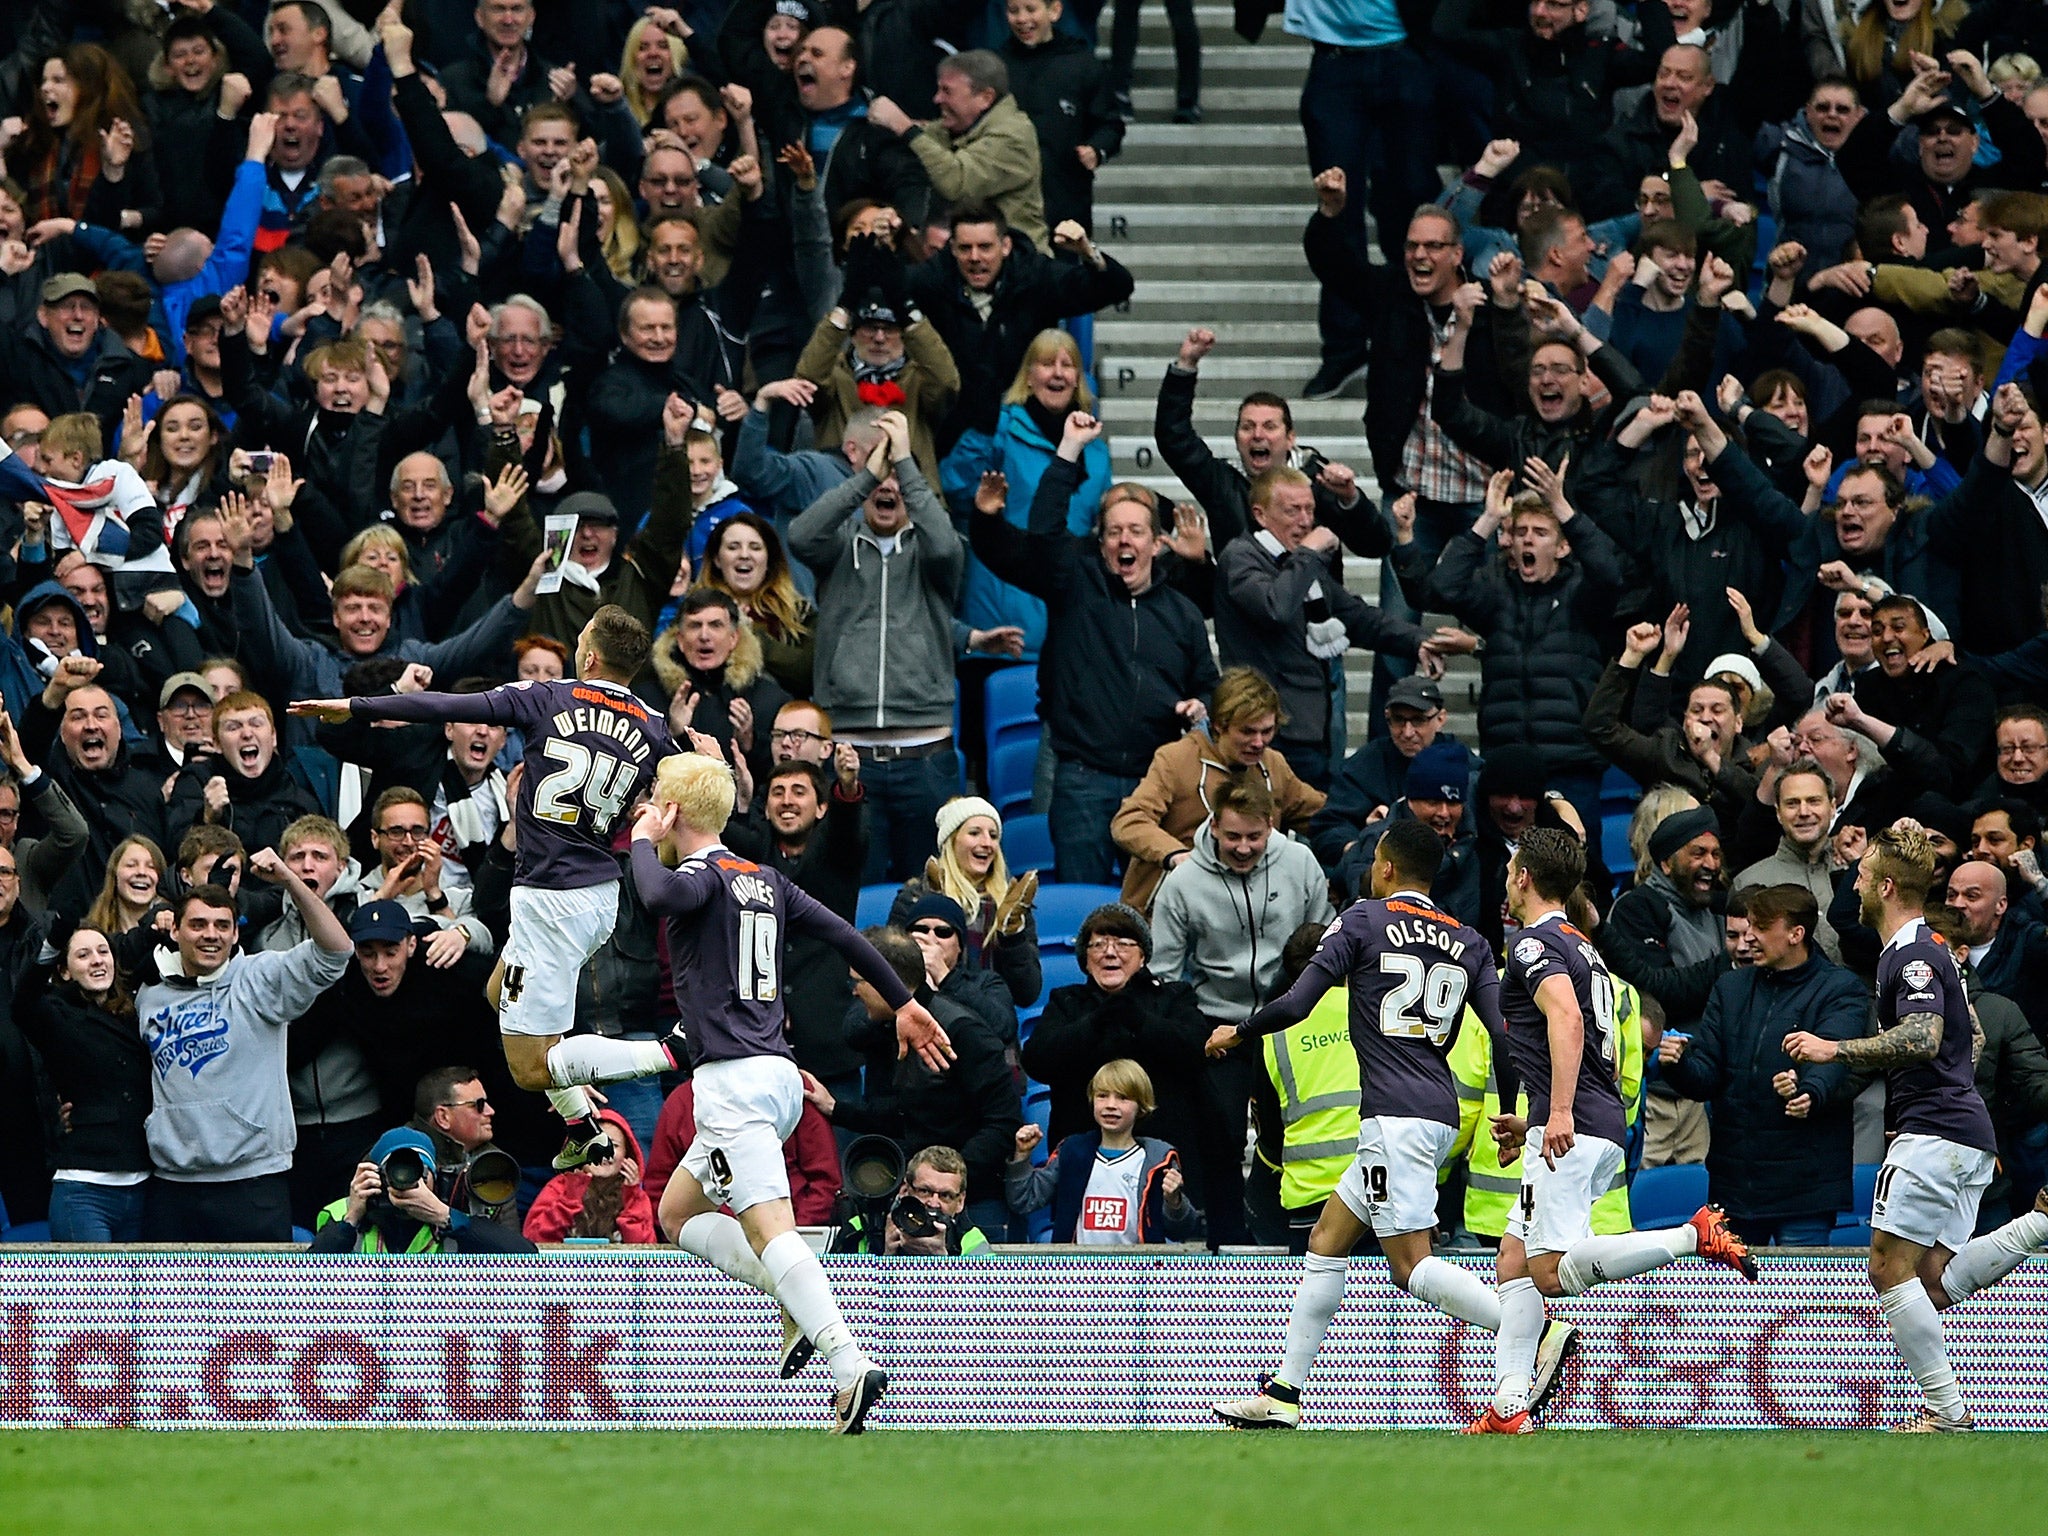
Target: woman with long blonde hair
{"x":618,"y":233}
{"x":969,"y":869}
{"x":654,"y":59}
{"x":1878,"y":45}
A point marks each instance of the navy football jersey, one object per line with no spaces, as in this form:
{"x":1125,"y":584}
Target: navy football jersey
{"x":1411,"y":969}
{"x":728,"y":920}
{"x":1553,"y":947}
{"x":591,"y":751}
{"x":1938,"y":1097}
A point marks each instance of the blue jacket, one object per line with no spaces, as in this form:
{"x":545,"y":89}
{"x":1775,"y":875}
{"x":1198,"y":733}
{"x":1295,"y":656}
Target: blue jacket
{"x":1019,"y":450}
{"x":1064,"y":1181}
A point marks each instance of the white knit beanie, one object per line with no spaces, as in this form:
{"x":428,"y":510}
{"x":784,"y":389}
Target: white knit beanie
{"x":956,"y":812}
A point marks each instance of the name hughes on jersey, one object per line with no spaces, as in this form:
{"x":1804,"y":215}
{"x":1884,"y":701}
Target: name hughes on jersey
{"x":1423,"y":931}
{"x":623,"y":729}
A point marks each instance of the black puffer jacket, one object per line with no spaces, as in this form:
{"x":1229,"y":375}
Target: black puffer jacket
{"x":1114,"y":665}
{"x":1065,"y":91}
{"x":1763,"y":1163}
{"x":1543,"y":640}
{"x":97,"y":1064}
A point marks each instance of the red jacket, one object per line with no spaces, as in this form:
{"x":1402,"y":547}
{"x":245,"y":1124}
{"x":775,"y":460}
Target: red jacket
{"x":560,"y":1202}
{"x":811,"y":1155}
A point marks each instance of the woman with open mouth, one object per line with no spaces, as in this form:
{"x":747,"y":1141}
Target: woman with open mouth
{"x":746,"y":562}
{"x":84,"y":125}
{"x":135,"y":872}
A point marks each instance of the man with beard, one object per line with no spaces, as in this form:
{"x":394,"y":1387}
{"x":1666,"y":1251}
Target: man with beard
{"x":242,"y":784}
{"x":1664,"y":937}
{"x":2006,"y":949}
{"x":116,"y":798}
{"x":1931,"y":723}
{"x":708,"y":676}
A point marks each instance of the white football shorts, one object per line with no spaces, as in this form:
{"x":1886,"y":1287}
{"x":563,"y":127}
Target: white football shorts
{"x":1556,"y":1205}
{"x":1391,"y":1183}
{"x":745,"y":1111}
{"x":553,"y":936}
{"x":1928,"y":1190}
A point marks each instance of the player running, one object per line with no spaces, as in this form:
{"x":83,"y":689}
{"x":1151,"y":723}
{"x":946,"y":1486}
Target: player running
{"x":591,"y":750}
{"x":727,"y":920}
{"x":1411,"y":968}
{"x":1558,"y":1003}
{"x":1922,"y":1257}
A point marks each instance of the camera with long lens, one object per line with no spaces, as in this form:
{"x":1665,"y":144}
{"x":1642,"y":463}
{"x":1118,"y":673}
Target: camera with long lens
{"x":404,"y":1168}
{"x":870,"y":1200}
{"x":488,"y":1184}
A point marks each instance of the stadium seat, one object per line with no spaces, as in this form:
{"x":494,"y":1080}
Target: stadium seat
{"x":1011,"y":768}
{"x":872,"y":910}
{"x":1614,"y":849}
{"x":26,"y":1232}
{"x":1618,"y":792}
{"x":1027,"y":844}
{"x":301,"y":1236}
{"x":1061,"y":908}
{"x":1664,"y":1197}
{"x":1851,"y":1234}
{"x":1060,"y":969}
{"x":1010,"y":705}
{"x":1863,"y":1180}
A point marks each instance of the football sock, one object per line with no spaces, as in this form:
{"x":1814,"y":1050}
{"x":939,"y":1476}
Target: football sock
{"x":1916,"y":1329}
{"x":1514,"y":1346}
{"x":722,"y":1243}
{"x":1316,"y":1301}
{"x":801,"y":1285}
{"x":1455,"y":1291}
{"x":598,"y":1059}
{"x":1586,"y":1264}
{"x":572,"y":1104}
{"x":1988,"y":1259}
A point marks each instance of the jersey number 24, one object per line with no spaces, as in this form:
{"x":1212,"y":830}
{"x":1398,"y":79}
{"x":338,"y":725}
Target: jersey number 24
{"x":602,"y":782}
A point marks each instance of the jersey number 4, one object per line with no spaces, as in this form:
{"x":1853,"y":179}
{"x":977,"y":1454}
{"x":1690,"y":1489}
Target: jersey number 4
{"x":1439,"y":988}
{"x":602,"y":782}
{"x":760,"y":976}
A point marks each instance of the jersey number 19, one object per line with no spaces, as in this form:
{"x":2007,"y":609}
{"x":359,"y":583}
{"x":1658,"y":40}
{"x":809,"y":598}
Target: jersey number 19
{"x":760,"y":979}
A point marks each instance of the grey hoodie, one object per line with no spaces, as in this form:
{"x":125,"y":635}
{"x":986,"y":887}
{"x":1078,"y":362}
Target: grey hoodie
{"x":885,"y":621}
{"x":223,"y":1107}
{"x":1224,"y":931}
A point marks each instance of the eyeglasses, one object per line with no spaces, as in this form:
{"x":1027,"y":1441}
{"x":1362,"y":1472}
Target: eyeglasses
{"x":1103,"y":943}
{"x":2006,"y":749}
{"x":188,"y":707}
{"x":678,"y":182}
{"x":1433,"y":247}
{"x":9,"y":872}
{"x":23,"y":439}
{"x":10,"y":812}
{"x":794,"y":738}
{"x":1831,"y":108}
{"x":926,"y":1192}
{"x":480,"y":1103}
{"x":403,"y":834}
{"x":936,"y":930}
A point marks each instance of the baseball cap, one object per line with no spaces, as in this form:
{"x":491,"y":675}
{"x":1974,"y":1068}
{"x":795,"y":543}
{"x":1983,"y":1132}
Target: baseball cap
{"x":1415,"y":692}
{"x":177,"y":683}
{"x":380,"y":920}
{"x":1438,"y":772}
{"x":1947,"y":107}
{"x":589,"y":507}
{"x":204,"y":308}
{"x":65,"y":284}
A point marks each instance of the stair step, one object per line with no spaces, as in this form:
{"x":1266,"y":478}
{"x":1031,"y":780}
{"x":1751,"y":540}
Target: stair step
{"x":1163,"y":337}
{"x":1280,"y":140}
{"x":1223,"y":301}
{"x":1289,"y":64}
{"x":1225,"y":103}
{"x":1121,"y":182}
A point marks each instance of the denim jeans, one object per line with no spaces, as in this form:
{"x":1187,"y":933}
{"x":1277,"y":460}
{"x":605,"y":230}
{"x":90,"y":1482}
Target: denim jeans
{"x":904,"y":795}
{"x":96,"y":1213}
{"x":1785,"y":1231}
{"x":638,"y":1099}
{"x":1370,"y":111}
{"x":1083,"y":801}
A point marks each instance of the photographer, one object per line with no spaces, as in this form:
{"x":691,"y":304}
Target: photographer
{"x":393,"y":1207}
{"x":927,"y":1214}
{"x":604,"y":1198}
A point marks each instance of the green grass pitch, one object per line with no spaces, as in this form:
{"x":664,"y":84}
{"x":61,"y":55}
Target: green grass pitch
{"x":936,"y":1484}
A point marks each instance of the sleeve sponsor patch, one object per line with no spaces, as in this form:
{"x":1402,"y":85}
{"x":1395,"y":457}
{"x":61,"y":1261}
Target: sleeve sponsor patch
{"x":1530,"y":951}
{"x":1917,"y":974}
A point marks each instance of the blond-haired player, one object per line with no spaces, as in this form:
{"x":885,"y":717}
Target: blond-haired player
{"x":727,"y":920}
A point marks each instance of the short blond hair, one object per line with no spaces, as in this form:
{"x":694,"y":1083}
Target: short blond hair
{"x":77,"y":432}
{"x":700,"y":788}
{"x":1127,"y":1080}
{"x":313,"y":829}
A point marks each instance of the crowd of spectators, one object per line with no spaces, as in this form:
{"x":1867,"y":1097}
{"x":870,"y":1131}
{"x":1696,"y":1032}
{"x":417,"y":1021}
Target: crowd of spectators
{"x":349,"y":348}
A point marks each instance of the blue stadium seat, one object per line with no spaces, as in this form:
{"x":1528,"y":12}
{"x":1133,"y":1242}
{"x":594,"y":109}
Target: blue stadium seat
{"x":1011,"y":768}
{"x":1061,"y":908}
{"x":872,"y":910}
{"x":1853,"y":1234}
{"x":1618,"y":792}
{"x":1614,"y":849}
{"x":1027,"y":844}
{"x":1060,"y":969}
{"x":1863,"y":1180}
{"x":1010,"y":706}
{"x":1664,"y":1197}
{"x":301,"y":1236}
{"x":27,"y":1232}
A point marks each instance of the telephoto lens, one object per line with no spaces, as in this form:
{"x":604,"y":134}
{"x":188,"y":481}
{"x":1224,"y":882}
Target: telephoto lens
{"x":403,"y":1168}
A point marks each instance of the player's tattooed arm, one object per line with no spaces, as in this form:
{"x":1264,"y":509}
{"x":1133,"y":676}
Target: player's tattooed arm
{"x":1914,"y":1039}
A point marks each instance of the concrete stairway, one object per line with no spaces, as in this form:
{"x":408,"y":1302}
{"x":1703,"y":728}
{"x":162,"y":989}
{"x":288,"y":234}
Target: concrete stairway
{"x":1209,"y":220}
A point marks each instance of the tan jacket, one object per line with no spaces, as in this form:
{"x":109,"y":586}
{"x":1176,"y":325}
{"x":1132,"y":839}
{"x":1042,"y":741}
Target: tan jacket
{"x":929,"y":380}
{"x":1172,"y":801}
{"x":995,"y":161}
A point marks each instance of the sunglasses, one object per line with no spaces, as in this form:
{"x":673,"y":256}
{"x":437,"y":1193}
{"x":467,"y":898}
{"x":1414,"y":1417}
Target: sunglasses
{"x":936,"y":930}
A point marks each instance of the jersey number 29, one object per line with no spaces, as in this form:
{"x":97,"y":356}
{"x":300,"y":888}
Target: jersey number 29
{"x":760,"y":976}
{"x":1440,"y":988}
{"x":604,"y":783}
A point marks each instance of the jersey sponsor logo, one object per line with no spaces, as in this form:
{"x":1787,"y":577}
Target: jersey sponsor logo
{"x":1917,"y":974}
{"x":1408,"y":908}
{"x":625,"y":704}
{"x":733,"y":862}
{"x":1530,"y":951}
{"x":1104,"y":1213}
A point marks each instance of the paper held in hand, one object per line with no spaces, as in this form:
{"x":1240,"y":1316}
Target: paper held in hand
{"x":558,"y":533}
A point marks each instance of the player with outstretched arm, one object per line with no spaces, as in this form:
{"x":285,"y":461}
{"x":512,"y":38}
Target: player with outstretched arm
{"x":1922,"y":1257}
{"x":1412,"y":969}
{"x":727,"y":921}
{"x":591,"y":751}
{"x":1557,"y":1001}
